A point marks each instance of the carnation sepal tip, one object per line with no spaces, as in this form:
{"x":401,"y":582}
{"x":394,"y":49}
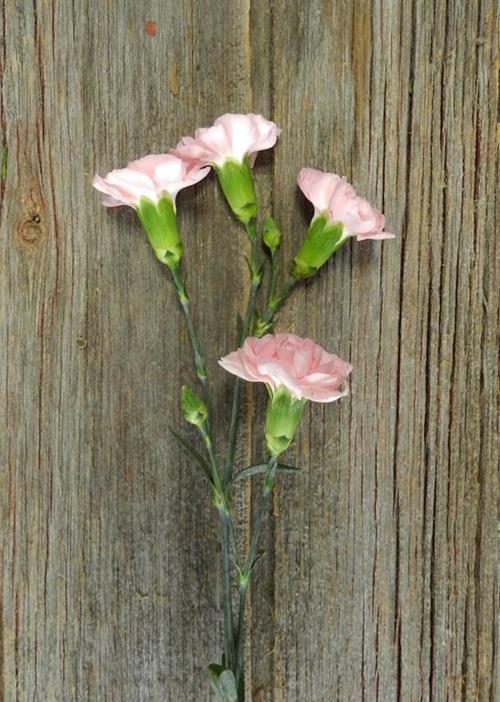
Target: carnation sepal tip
{"x":245,"y":574}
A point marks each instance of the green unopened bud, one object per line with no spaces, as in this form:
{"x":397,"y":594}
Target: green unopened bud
{"x":271,"y":234}
{"x":195,"y":410}
{"x":323,"y":238}
{"x":283,"y":416}
{"x":236,"y":181}
{"x":160,"y":223}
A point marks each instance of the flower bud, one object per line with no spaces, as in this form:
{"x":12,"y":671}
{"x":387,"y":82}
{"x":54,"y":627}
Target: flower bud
{"x":323,"y":238}
{"x":194,"y":409}
{"x":271,"y":234}
{"x":160,"y":224}
{"x":237,"y":184}
{"x":283,"y":416}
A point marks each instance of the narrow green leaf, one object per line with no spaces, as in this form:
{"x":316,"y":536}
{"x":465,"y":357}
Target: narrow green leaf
{"x":257,"y":558}
{"x":194,"y":453}
{"x":261,"y":468}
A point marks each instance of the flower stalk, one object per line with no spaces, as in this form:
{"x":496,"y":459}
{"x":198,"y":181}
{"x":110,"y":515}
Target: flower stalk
{"x":245,"y":572}
{"x":220,"y":497}
{"x":255,"y":267}
{"x":293,"y":369}
{"x":182,"y":295}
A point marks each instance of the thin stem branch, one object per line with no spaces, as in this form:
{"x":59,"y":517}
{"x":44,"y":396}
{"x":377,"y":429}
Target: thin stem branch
{"x":274,"y":278}
{"x":276,"y":301}
{"x":182,"y":294}
{"x":240,"y":640}
{"x":229,"y":643}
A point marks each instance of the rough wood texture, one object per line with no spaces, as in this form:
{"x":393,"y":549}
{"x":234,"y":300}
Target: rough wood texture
{"x":379,"y":582}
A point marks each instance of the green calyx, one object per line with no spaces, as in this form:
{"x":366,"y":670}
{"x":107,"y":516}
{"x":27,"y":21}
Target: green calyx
{"x":283,"y":416}
{"x":160,"y":224}
{"x":323,"y":238}
{"x":194,"y":409}
{"x":236,"y":181}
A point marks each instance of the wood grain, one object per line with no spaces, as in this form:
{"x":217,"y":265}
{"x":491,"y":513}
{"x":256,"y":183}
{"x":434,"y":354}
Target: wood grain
{"x":379,"y":582}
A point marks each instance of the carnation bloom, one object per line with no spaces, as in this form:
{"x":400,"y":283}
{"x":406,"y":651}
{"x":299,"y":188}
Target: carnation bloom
{"x":230,"y":146}
{"x":338,"y":215}
{"x":301,"y":366}
{"x":232,"y":137}
{"x":150,"y":185}
{"x":294,"y":370}
{"x":333,"y":196}
{"x":150,"y":177}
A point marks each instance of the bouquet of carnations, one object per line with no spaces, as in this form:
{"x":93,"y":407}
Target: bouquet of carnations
{"x":293,"y":370}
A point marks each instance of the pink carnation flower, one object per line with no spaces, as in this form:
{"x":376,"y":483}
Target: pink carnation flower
{"x":332,"y":195}
{"x":150,"y":177}
{"x":304,"y":368}
{"x":231,"y":137}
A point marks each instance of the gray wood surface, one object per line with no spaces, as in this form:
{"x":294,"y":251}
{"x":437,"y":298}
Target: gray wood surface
{"x":379,"y":580}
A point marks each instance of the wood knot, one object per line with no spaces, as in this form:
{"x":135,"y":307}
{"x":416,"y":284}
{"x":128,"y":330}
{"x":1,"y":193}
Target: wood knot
{"x":31,"y":232}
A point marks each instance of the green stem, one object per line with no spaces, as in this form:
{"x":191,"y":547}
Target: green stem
{"x":249,"y":562}
{"x":229,"y":647}
{"x":226,"y":524}
{"x":240,"y":641}
{"x":227,"y":532}
{"x":182,"y":294}
{"x":255,"y":282}
{"x":274,"y":278}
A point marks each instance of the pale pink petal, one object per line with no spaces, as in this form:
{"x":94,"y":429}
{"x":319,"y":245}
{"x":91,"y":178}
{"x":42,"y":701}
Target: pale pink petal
{"x":147,"y":164}
{"x":150,"y":177}
{"x":279,"y":374}
{"x":191,"y":151}
{"x":326,"y":393}
{"x":318,"y":187}
{"x":287,"y":360}
{"x":232,"y":136}
{"x":234,"y":364}
{"x":111,"y":202}
{"x":380,"y":235}
{"x":112,"y":191}
{"x":331,"y":194}
{"x":132,"y":184}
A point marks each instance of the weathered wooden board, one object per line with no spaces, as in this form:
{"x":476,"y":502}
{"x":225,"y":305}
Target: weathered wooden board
{"x":379,"y":582}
